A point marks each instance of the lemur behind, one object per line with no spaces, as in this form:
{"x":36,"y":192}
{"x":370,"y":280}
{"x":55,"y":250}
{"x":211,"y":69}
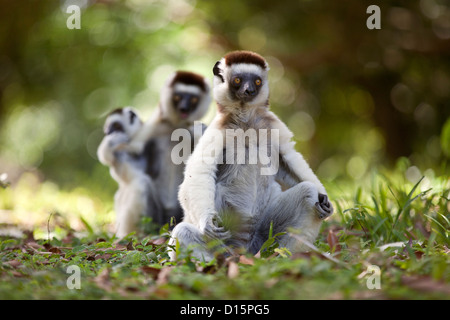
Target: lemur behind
{"x":184,"y":99}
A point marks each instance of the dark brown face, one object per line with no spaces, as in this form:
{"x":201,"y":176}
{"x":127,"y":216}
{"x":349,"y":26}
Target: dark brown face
{"x":185,"y":103}
{"x":245,"y":86}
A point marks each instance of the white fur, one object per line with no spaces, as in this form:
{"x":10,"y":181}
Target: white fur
{"x":130,"y":202}
{"x":188,"y":88}
{"x":197,"y":192}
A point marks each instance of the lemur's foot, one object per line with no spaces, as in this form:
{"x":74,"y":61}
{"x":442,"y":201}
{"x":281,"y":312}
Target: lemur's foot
{"x":324,"y":207}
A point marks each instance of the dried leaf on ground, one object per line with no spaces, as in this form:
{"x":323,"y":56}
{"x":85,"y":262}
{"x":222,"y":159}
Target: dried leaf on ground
{"x":233,"y":270}
{"x":245,"y":260}
{"x":425,"y":284}
{"x":333,"y":241}
{"x":13,"y":263}
{"x":130,"y":246}
{"x":102,"y":280}
{"x":163,"y":275}
{"x":154,"y":272}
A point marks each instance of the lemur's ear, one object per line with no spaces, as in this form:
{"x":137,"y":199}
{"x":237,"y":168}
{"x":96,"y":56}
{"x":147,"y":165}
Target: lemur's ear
{"x":217,"y":71}
{"x":133,"y":116}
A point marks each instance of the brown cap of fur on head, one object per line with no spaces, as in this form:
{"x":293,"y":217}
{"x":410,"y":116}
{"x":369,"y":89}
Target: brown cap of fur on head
{"x":248,"y":57}
{"x":189,"y":78}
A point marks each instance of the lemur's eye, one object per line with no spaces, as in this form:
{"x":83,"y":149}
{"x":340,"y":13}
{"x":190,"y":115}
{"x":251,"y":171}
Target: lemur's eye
{"x":176,"y":98}
{"x":194,"y":100}
{"x":237,"y":80}
{"x":258,"y":82}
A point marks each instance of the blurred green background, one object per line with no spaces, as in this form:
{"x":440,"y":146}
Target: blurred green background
{"x":355,"y":98}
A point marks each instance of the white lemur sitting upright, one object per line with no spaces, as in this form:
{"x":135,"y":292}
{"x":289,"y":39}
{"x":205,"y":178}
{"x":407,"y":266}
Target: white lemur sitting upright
{"x":139,"y":154}
{"x":216,"y":190}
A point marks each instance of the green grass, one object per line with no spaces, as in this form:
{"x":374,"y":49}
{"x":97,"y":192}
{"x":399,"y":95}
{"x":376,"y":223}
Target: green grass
{"x":399,"y":226}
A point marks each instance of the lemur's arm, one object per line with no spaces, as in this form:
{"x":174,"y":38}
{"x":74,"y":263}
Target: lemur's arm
{"x":111,"y":153}
{"x":293,"y":168}
{"x":198,"y":190}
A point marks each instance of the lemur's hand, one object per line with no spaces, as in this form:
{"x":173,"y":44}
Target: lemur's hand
{"x":214,"y":229}
{"x":135,"y":147}
{"x":117,"y":138}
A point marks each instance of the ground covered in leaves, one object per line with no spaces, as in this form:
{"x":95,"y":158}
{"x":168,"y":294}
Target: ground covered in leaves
{"x":389,"y":241}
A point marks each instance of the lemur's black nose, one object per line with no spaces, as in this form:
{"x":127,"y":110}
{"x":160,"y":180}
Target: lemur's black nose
{"x":249,"y":89}
{"x":250,"y":92}
{"x":184,"y":106}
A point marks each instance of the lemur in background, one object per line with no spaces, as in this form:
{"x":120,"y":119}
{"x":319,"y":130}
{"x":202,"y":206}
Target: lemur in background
{"x":139,"y":154}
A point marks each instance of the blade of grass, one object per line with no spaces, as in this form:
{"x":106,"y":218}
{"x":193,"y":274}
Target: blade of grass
{"x":444,"y":231}
{"x":315,"y":249}
{"x":87,"y":225}
{"x":375,"y":229}
{"x":403,"y":208}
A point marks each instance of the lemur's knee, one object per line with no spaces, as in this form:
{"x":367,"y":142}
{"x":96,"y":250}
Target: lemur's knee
{"x":309,"y":208}
{"x":188,"y":236}
{"x":312,"y":200}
